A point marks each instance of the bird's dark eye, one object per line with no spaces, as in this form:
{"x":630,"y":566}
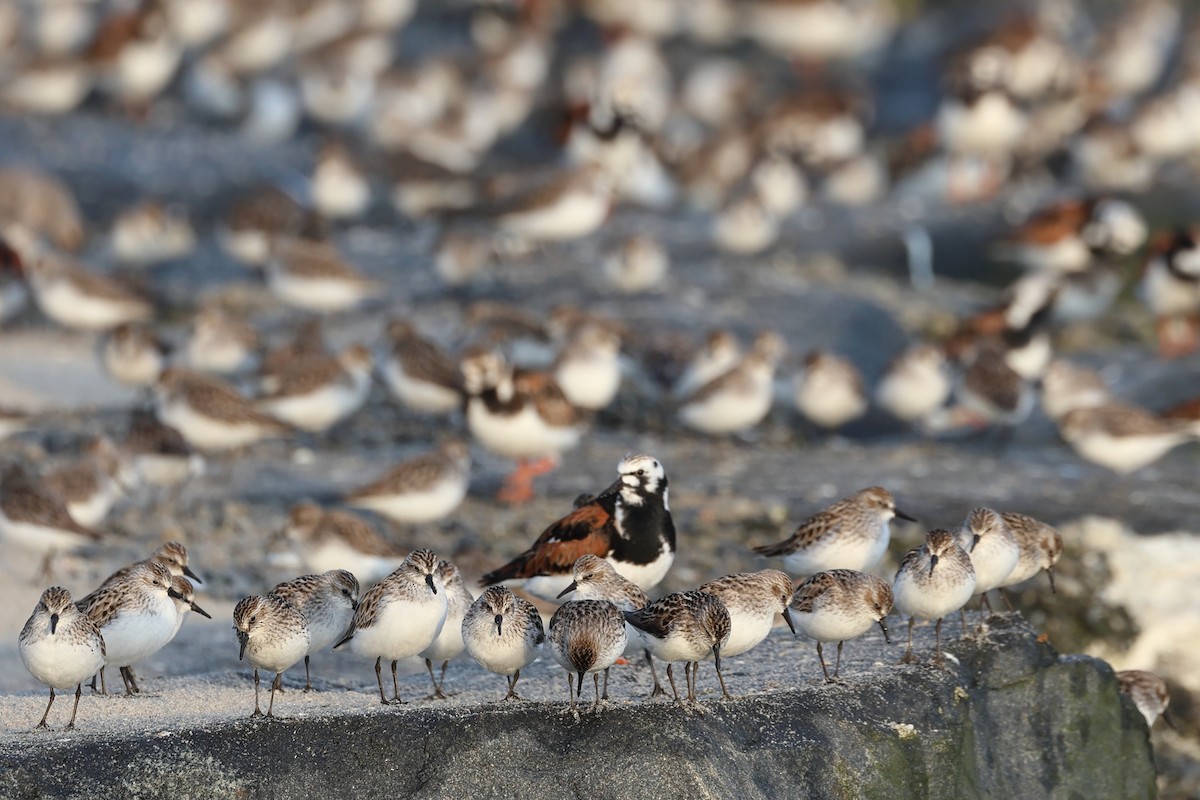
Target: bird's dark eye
{"x":346,"y":592}
{"x":641,"y":472}
{"x":253,"y":620}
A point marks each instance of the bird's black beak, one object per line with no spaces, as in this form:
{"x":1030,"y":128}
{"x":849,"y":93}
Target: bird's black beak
{"x":53,"y":623}
{"x":187,"y":571}
{"x":883,"y":628}
{"x":617,"y":485}
{"x":974,"y":543}
{"x":787,"y":617}
{"x":574,"y":585}
{"x":243,"y":638}
{"x":499,"y":624}
{"x":200,"y":611}
{"x":1050,"y":572}
{"x":901,"y":515}
{"x":174,"y":593}
{"x":429,"y":580}
{"x":932,"y":563}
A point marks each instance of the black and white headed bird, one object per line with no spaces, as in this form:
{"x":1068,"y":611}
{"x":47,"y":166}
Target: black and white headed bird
{"x":628,"y":524}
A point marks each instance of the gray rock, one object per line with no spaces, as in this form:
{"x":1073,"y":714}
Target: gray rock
{"x":1012,"y":719}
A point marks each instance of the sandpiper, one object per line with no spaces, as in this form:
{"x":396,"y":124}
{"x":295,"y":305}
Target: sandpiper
{"x":1041,"y":547}
{"x":1147,"y":691}
{"x":593,"y":578}
{"x":133,"y":355}
{"x":400,"y":616}
{"x":829,"y":392}
{"x":136,"y":615}
{"x":422,"y":489}
{"x":36,"y":518}
{"x":75,"y":298}
{"x":313,"y":276}
{"x":449,"y":642}
{"x":840,"y":604}
{"x":588,"y":367}
{"x":586,"y":637}
{"x":317,"y":393}
{"x":1121,"y":437}
{"x":915,"y":385}
{"x":272,"y":636}
{"x":327,"y":602}
{"x":739,"y":398}
{"x":220,"y":343}
{"x":503,"y":633}
{"x":719,"y":353}
{"x":688,"y":627}
{"x":853,"y":533}
{"x":993,"y":549}
{"x":418,"y":373}
{"x":60,"y":646}
{"x":329,"y":539}
{"x":934,"y":580}
{"x":209,"y":413}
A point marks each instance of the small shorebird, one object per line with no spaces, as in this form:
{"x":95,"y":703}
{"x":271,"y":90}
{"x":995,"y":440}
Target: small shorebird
{"x":840,"y":604}
{"x":272,"y":636}
{"x":688,"y":627}
{"x":504,"y":634}
{"x":60,"y":646}
{"x":934,"y":580}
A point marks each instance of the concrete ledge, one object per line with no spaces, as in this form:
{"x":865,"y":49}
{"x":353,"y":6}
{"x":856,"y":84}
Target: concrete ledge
{"x":1011,"y":719}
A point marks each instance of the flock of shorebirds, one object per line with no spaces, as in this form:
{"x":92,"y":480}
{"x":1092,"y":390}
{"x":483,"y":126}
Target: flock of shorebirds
{"x":601,"y":557}
{"x":1044,"y":92}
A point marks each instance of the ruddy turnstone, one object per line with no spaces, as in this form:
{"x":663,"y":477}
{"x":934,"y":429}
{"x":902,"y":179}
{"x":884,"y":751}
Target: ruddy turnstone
{"x":422,"y":489}
{"x":272,"y":635}
{"x":150,"y":233}
{"x":688,"y":627}
{"x":1069,"y":235}
{"x":136,"y":615}
{"x":593,"y":578}
{"x":400,"y":616}
{"x":993,"y":550}
{"x":60,"y":646}
{"x":915,"y":385}
{"x":133,"y":355}
{"x":629,"y":524}
{"x":934,"y":580}
{"x":1147,"y":691}
{"x":503,"y":633}
{"x":829,"y":392}
{"x":1122,"y":438}
{"x":519,"y":414}
{"x":1170,"y":288}
{"x":1041,"y":546}
{"x":313,"y":276}
{"x":328,"y":539}
{"x":840,"y":604}
{"x":739,"y":398}
{"x":75,"y":298}
{"x":36,"y":518}
{"x":586,"y":637}
{"x":317,"y":393}
{"x":752,"y":600}
{"x":220,"y":343}
{"x":209,"y":413}
{"x":327,"y":602}
{"x":419,"y":374}
{"x":89,"y":486}
{"x":853,"y":533}
{"x":449,"y":642}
